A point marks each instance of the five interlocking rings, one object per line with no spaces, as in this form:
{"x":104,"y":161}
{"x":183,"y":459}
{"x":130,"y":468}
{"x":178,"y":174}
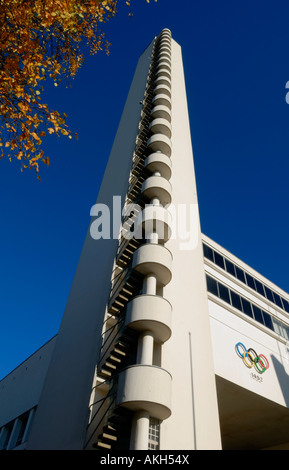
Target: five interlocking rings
{"x":251,"y":358}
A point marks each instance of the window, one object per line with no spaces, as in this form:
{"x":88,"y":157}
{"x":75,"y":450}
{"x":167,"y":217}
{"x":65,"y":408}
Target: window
{"x":276,"y":327}
{"x":283,"y":330}
{"x":286,"y":305}
{"x":250,"y":281}
{"x":259,"y":287}
{"x":230,"y":267}
{"x":286,"y":331}
{"x":154,"y":434}
{"x":280,"y":328}
{"x":8,"y":429}
{"x":278,"y":300}
{"x":247,"y":308}
{"x":267,"y":320}
{"x":19,"y":429}
{"x":236,"y":300}
{"x":269,"y":294}
{"x":244,"y":277}
{"x":208,"y":253}
{"x":258,"y":314}
{"x":212,"y":286}
{"x":224,"y":293}
{"x":219,"y":260}
{"x":240,"y":274}
{"x":24,"y":420}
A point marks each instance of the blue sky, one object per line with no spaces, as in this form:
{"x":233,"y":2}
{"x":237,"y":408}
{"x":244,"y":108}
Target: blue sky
{"x":236,"y":62}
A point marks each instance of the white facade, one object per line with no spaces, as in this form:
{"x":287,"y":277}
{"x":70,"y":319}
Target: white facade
{"x":155,"y":349}
{"x":253,"y":402}
{"x":20,"y":392}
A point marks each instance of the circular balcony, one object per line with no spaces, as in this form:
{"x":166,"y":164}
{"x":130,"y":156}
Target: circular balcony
{"x":160,"y":142}
{"x":159,"y":162}
{"x":163,"y":72}
{"x":165,"y":51}
{"x":157,"y":187}
{"x":145,"y":387}
{"x":165,"y":47}
{"x":153,"y":259}
{"x":163,"y":65}
{"x":165,"y":41}
{"x":162,"y":89}
{"x":161,"y":126}
{"x":161,"y":112}
{"x":163,"y":81}
{"x":166,"y":35}
{"x":150,"y":313}
{"x":155,"y":219}
{"x":163,"y":44}
{"x":166,"y":56}
{"x":162,"y":99}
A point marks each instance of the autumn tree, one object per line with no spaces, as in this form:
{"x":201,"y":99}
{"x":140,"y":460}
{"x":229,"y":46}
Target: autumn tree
{"x":41,"y":39}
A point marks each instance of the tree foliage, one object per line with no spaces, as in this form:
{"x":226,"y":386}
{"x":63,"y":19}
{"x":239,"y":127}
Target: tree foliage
{"x":41,"y":39}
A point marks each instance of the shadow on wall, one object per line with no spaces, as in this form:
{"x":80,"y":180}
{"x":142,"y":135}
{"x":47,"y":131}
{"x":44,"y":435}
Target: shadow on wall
{"x":282,"y":375}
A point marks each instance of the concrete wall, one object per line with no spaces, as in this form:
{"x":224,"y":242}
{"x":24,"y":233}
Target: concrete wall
{"x":21,"y":389}
{"x":187,"y":355}
{"x":62,"y":416}
{"x":228,"y":330}
{"x":230,"y":326}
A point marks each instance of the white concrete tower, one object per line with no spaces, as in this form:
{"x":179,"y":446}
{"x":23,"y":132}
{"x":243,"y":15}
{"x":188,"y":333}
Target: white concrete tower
{"x":158,"y":308}
{"x":135,"y":336}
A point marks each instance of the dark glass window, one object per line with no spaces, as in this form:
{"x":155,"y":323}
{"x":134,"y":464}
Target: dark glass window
{"x":259,"y":287}
{"x":269,"y":294}
{"x":268,"y":320}
{"x":230,"y":267}
{"x":250,"y":281}
{"x":236,"y":300}
{"x":208,"y":252}
{"x":278,"y":300}
{"x":9,"y":428}
{"x":224,"y":293}
{"x":247,"y":308}
{"x":212,"y":285}
{"x":219,"y":260}
{"x":240,"y":274}
{"x":286,"y":305}
{"x":258,"y":314}
{"x":24,"y":421}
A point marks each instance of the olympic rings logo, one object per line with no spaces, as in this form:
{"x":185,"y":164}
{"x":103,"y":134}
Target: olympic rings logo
{"x":251,"y":358}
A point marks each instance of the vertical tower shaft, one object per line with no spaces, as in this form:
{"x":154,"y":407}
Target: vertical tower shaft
{"x":159,"y":298}
{"x":136,"y":325}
